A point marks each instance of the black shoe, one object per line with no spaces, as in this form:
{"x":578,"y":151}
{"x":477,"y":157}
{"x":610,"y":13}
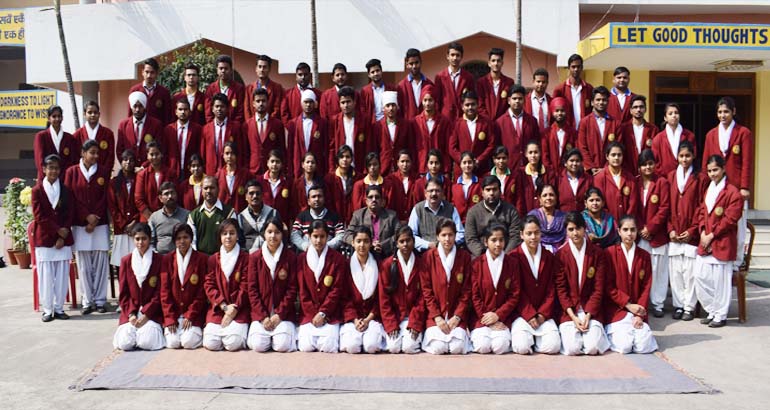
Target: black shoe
{"x":717,"y":323}
{"x":705,"y":321}
{"x":61,"y":316}
{"x":678,"y":314}
{"x":47,"y":318}
{"x":687,"y":316}
{"x":657,"y":312}
{"x":88,"y":310}
{"x":101,"y":309}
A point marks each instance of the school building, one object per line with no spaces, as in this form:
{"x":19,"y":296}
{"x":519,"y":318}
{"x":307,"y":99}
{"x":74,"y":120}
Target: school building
{"x":688,"y":52}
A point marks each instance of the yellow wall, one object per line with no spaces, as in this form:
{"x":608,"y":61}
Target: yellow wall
{"x":761,"y":144}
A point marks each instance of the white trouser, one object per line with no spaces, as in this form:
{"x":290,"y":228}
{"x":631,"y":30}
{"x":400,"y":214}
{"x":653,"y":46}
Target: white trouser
{"x":486,"y":340}
{"x":544,"y":339}
{"x":742,"y":226}
{"x":438,"y":342}
{"x":93,"y":268}
{"x":52,"y":285}
{"x":575,"y":342}
{"x":372,"y":340}
{"x":682,"y":281}
{"x":625,"y":338}
{"x":191,"y":338}
{"x":281,"y":339}
{"x":323,"y":339}
{"x":659,"y":259}
{"x":403,"y":342}
{"x":147,"y":337}
{"x":713,"y":285}
{"x":231,"y":338}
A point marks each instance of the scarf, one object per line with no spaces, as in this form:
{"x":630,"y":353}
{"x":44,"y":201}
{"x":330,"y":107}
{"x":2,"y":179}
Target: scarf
{"x":227,"y":260}
{"x":580,"y":257}
{"x":681,"y":177}
{"x":406,"y":266}
{"x":87,"y":173}
{"x":56,"y":137}
{"x":674,"y":136}
{"x":141,"y":264}
{"x":315,"y":261}
{"x":534,"y":262}
{"x":52,"y":191}
{"x":495,"y":266}
{"x":271,"y":260}
{"x":182,"y":262}
{"x":365,"y":277}
{"x":713,"y":192}
{"x":629,"y":254}
{"x":448,"y":261}
{"x":724,"y":137}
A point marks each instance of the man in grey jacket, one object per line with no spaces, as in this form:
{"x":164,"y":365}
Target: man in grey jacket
{"x":253,"y":219}
{"x":383,"y":223}
{"x":163,"y":221}
{"x":492,"y":208}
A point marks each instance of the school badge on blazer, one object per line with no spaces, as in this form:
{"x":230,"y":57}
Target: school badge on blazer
{"x":508,"y":283}
{"x":103,"y":145}
{"x":626,"y":190}
{"x":641,"y":274}
{"x":649,"y":143}
{"x":513,"y":188}
{"x":317,"y":134}
{"x":654,"y":199}
{"x":611,"y":137}
{"x":568,"y":147}
{"x":285,"y":193}
{"x":588,"y":103}
{"x":200,"y":107}
{"x":159,"y":103}
{"x":238,"y":276}
{"x":460,"y":278}
{"x":272,"y":136}
{"x":361,"y":137}
{"x":234,"y":103}
{"x":66,"y":151}
{"x":147,"y":138}
{"x":504,"y":94}
{"x":475,"y":199}
{"x":719,"y":211}
{"x":591,"y":272}
{"x":241,"y":191}
{"x":100,"y":181}
{"x":282,"y":274}
{"x":328,"y":280}
{"x":153,"y":281}
{"x":231,"y":139}
{"x":736,"y":150}
{"x":482,"y":136}
{"x":194,"y":279}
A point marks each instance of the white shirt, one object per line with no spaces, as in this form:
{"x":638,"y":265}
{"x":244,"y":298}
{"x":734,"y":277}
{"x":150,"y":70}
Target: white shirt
{"x":516,"y":120}
{"x":378,"y":112}
{"x":181,"y":264}
{"x":534,"y":261}
{"x":674,"y":136}
{"x":560,"y":136}
{"x":56,"y":136}
{"x":391,"y":130}
{"x":87,"y":173}
{"x":629,"y":254}
{"x":52,"y":191}
{"x":307,"y":127}
{"x":495,"y":266}
{"x":230,"y":182}
{"x":496,"y":86}
{"x":349,"y":126}
{"x":621,"y":97}
{"x":447,"y":261}
{"x":405,"y":182}
{"x":227,"y":260}
{"x":724,"y":137}
{"x":455,"y":77}
{"x":580,"y":257}
{"x":416,"y":90}
{"x":713,"y":192}
{"x":139,"y":125}
{"x":218,"y":144}
{"x":472,"y":127}
{"x":430,"y":122}
{"x":573,"y":183}
{"x":191,"y":100}
{"x":577,"y":100}
{"x":184,"y":130}
{"x":406,"y":266}
{"x":638,"y":136}
{"x":601,"y":122}
{"x":539,"y":104}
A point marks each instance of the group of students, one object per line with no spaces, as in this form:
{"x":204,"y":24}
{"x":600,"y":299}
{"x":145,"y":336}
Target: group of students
{"x":584,"y":164}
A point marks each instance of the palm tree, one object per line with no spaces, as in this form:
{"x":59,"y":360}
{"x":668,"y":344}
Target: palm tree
{"x":314,"y":44}
{"x":65,"y":57}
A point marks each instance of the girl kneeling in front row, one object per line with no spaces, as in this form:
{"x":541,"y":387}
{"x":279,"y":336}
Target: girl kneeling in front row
{"x":227,"y":322}
{"x":362,"y":310}
{"x":140,"y":311}
{"x":628,"y":292}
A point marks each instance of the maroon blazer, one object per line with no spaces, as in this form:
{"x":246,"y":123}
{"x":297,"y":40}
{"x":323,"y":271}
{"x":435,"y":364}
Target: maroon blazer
{"x":405,"y":301}
{"x":329,"y":103}
{"x":684,"y":206}
{"x":291,"y":105}
{"x":186,"y":195}
{"x":501,"y":299}
{"x":152,"y":129}
{"x":106,"y":139}
{"x":739,"y":159}
{"x":622,"y":287}
{"x":212,"y":158}
{"x":235,"y":94}
{"x":526,"y":199}
{"x":406,"y":105}
{"x":722,"y":221}
{"x":185,"y":298}
{"x":356,"y":307}
{"x":565,"y":90}
{"x":329,"y":293}
{"x":592,"y":143}
{"x":463,"y":203}
{"x":272,"y":137}
{"x":159,"y":104}
{"x":319,"y":145}
{"x":273,"y":295}
{"x":274,"y":99}
{"x":665,"y":160}
{"x":528,"y":109}
{"x":451,"y":96}
{"x":515,"y":142}
{"x":389,"y":147}
{"x":492,"y":105}
{"x":233,"y":290}
{"x":537,"y":295}
{"x":418,"y":192}
{"x":147,"y":190}
{"x":174,"y":150}
{"x":237,"y":198}
{"x":120,"y":201}
{"x":389,"y":191}
{"x":656,"y":213}
{"x":90,"y":197}
{"x":590,"y":292}
{"x":482,"y":145}
{"x":364,"y":141}
{"x":569,"y":201}
{"x":618,"y":201}
{"x":426,"y":140}
{"x":197,"y":110}
{"x":631,"y":153}
{"x":553,"y":151}
{"x":366,"y":100}
{"x":298,"y":195}
{"x":400,"y":200}
{"x":50,"y":218}
{"x":447,"y":299}
{"x":143,"y":296}
{"x":282,"y":202}
{"x":614,"y":110}
{"x":335,"y":198}
{"x":69,"y":150}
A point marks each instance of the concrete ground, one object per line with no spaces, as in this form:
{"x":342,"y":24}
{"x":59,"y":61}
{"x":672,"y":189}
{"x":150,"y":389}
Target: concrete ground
{"x":40,"y":361}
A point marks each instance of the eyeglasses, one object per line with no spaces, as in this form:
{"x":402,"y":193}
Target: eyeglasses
{"x":373,"y":197}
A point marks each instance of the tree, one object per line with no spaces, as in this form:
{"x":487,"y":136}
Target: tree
{"x":204,"y":56}
{"x":66,"y":58}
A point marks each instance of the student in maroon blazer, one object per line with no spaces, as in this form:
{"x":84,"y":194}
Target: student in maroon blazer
{"x":509,"y":178}
{"x":481,"y":143}
{"x":235,"y":195}
{"x":718,"y":217}
{"x":148,"y":182}
{"x":52,"y":212}
{"x":662,"y":145}
{"x":594,"y":138}
{"x":264,"y":133}
{"x":363,"y":137}
{"x":370,"y":102}
{"x":158,"y":97}
{"x":272,"y":288}
{"x":182,"y":294}
{"x":291,"y":105}
{"x":628,"y":292}
{"x":537,"y":102}
{"x":411,"y":86}
{"x":276,"y":188}
{"x":493,"y":87}
{"x":310,"y":177}
{"x":637,"y":134}
{"x":329,"y":103}
{"x":582,"y":90}
{"x":394,"y":134}
{"x":120,"y":202}
{"x":182,"y":139}
{"x":432,"y":131}
{"x":622,"y":196}
{"x":516,"y":127}
{"x":402,"y":307}
{"x":373,"y":177}
{"x":227,"y":85}
{"x":454,"y":82}
{"x":227,"y":320}
{"x":620,"y":79}
{"x":495,"y":294}
{"x":446,"y":287}
{"x":403,"y":181}
{"x":435,"y":171}
{"x":68,"y":149}
{"x":139,"y":129}
{"x":534,"y":328}
{"x":188,"y":186}
{"x":530,"y":178}
{"x":573,"y":182}
{"x":559,"y":138}
{"x":653,"y":217}
{"x":274,"y":90}
{"x":219,"y":131}
{"x":193,"y":95}
{"x":323,"y":276}
{"x":340,"y":194}
{"x":141,"y":315}
{"x":462,"y":197}
{"x":307,"y":132}
{"x":580,"y":287}
{"x":95,"y":131}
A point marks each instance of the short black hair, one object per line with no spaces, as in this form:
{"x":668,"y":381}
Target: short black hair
{"x":192,"y":66}
{"x":540,"y":71}
{"x":517,"y":89}
{"x":372,"y":63}
{"x":470,"y":95}
{"x":266,"y":58}
{"x":412,"y":52}
{"x":225,"y":59}
{"x":221,"y":98}
{"x":302,"y":66}
{"x":575,"y":57}
{"x":620,"y":70}
{"x":600,"y":90}
{"x":490,"y":180}
{"x":152,"y":63}
{"x":339,"y":66}
{"x":347,"y":91}
{"x":495,"y":51}
{"x":455,"y":46}
{"x":259,"y":91}
{"x":638,"y":97}
{"x":576,"y":218}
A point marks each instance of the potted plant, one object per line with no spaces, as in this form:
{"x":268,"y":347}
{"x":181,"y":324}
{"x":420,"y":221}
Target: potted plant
{"x":16,"y":202}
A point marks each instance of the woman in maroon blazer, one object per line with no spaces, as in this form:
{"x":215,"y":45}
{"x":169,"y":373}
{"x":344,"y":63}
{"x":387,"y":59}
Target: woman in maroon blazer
{"x":148,"y":182}
{"x":232,"y":178}
{"x":339,"y":184}
{"x":573,"y":182}
{"x":53,"y":140}
{"x":667,"y":141}
{"x":140,"y":310}
{"x":120,"y":202}
{"x":182,"y":295}
{"x":272,"y":290}
{"x":530,"y":178}
{"x":190,"y":188}
{"x":227,"y":321}
{"x":402,"y":308}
